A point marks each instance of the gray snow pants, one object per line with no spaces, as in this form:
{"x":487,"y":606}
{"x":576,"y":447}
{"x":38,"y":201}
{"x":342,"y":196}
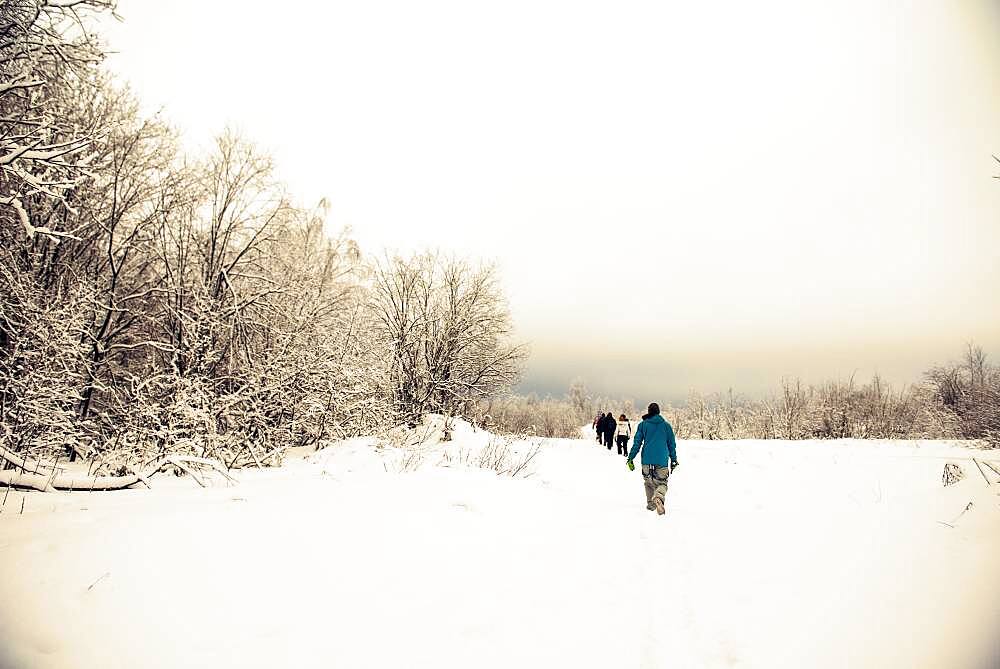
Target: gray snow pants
{"x":655,"y":479}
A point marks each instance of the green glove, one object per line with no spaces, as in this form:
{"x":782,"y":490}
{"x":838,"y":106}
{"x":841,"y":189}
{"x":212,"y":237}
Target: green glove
{"x":631,"y":465}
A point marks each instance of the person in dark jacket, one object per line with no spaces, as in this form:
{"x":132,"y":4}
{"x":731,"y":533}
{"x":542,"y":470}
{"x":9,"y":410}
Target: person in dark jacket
{"x":655,"y":437}
{"x":599,"y":427}
{"x":609,"y":430}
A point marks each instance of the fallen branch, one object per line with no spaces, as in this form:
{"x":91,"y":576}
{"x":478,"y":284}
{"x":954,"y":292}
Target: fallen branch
{"x":22,"y":463}
{"x":185,"y":468}
{"x":208,"y":462}
{"x":14,"y":478}
{"x":44,"y":483}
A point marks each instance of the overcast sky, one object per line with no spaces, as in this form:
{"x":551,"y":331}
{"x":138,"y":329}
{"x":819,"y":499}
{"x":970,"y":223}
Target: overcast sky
{"x":679,"y":195}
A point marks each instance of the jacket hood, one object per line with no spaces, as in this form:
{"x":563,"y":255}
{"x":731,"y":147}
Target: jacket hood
{"x":655,"y":418}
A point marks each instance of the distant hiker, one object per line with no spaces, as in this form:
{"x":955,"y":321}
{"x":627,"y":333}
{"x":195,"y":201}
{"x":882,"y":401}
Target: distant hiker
{"x":609,"y":430}
{"x":655,"y":437}
{"x":624,"y":432}
{"x":599,"y":427}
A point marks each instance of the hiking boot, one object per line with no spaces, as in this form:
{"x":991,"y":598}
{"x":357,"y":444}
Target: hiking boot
{"x":658,"y":503}
{"x":649,"y":505}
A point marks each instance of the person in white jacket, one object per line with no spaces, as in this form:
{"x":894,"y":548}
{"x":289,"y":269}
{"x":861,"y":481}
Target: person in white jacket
{"x":624,"y":434}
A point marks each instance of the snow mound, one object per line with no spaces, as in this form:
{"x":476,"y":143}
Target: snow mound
{"x":433,"y":430}
{"x":437,"y":441}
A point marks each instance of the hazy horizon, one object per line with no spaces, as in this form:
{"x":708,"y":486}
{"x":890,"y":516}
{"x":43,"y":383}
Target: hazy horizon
{"x":746,"y":373}
{"x":677,"y":197}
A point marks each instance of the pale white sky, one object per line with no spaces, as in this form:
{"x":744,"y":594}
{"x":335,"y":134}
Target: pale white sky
{"x":679,"y":195}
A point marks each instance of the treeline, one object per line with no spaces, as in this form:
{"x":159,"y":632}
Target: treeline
{"x":156,"y":302}
{"x":958,"y":400}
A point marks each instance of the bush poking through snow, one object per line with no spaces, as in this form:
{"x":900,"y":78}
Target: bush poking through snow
{"x":970,"y":391}
{"x":952,"y":474}
{"x":409,"y":461}
{"x":500,"y":456}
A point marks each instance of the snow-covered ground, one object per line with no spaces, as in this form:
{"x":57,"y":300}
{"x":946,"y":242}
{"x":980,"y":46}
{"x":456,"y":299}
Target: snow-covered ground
{"x":771,"y":554}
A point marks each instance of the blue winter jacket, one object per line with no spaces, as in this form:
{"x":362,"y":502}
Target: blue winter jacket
{"x":656,"y":439}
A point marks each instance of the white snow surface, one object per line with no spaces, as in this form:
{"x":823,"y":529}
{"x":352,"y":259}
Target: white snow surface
{"x":771,"y":554}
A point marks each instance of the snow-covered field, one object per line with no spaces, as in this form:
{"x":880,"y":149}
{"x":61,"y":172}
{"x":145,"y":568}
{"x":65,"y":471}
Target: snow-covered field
{"x":771,"y":554}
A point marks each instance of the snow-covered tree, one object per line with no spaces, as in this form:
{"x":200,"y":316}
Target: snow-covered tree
{"x":46,"y":51}
{"x":448,"y":331}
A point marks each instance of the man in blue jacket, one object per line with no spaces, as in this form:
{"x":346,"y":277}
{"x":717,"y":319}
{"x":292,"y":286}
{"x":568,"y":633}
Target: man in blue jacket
{"x":655,"y":437}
